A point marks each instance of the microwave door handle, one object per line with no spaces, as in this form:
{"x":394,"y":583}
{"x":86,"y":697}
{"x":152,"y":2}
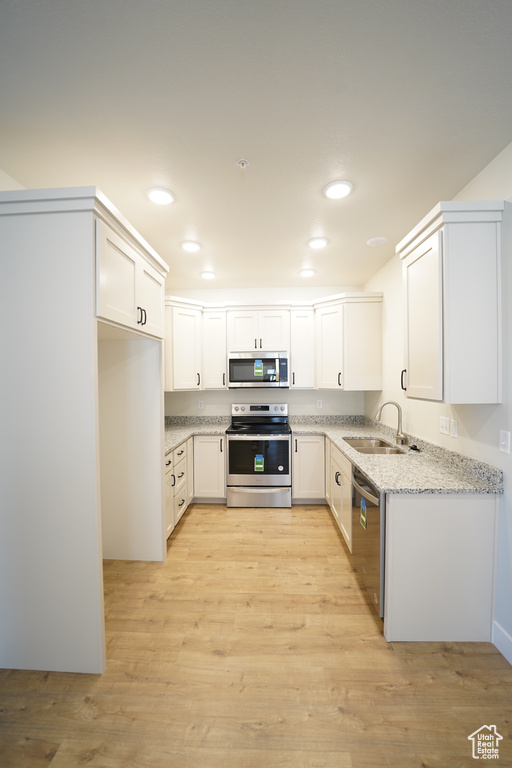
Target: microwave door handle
{"x":277,"y":369}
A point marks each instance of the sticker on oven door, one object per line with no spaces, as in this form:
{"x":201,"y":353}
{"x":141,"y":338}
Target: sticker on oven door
{"x":258,"y":462}
{"x":258,"y":367}
{"x":362,"y":518}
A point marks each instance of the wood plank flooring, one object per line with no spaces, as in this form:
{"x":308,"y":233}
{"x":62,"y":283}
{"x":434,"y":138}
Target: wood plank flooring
{"x":251,"y":647}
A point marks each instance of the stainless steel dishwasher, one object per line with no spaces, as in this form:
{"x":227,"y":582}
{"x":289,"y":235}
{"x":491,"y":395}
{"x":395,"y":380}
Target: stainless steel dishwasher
{"x":368,"y":539}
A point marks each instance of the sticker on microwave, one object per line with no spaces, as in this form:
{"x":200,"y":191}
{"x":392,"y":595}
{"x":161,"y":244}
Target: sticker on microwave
{"x":258,"y":462}
{"x":362,"y":518}
{"x":258,"y":367}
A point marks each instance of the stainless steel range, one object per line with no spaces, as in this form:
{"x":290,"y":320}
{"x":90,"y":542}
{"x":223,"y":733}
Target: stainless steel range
{"x":259,"y":456}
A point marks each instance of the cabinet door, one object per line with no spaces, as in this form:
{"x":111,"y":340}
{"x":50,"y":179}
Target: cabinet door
{"x":151,"y":299}
{"x":116,"y":277}
{"x":209,"y":467}
{"x":302,"y":349}
{"x":214,"y":350}
{"x":190,"y":468}
{"x":308,"y":471}
{"x":186,"y":348}
{"x":329,"y":347}
{"x":168,"y":496}
{"x":422,"y":272}
{"x":341,"y":495}
{"x":243,"y":333}
{"x":274,"y":330}
{"x":362,"y":345}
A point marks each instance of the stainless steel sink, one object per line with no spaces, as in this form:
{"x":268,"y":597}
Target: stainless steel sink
{"x":372,"y":445}
{"x":378,"y":449}
{"x":366,"y":442}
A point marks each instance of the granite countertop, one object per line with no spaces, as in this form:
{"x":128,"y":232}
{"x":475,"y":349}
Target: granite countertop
{"x":431,"y":470}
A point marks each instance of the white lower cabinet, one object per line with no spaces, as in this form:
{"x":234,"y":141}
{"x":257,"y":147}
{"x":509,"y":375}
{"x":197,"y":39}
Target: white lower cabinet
{"x":308,"y":481}
{"x":210,"y":467}
{"x":177,"y":484}
{"x":439,"y":573}
{"x":341,"y":493}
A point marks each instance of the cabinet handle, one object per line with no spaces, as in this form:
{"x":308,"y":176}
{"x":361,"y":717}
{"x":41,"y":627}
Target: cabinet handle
{"x":181,"y":503}
{"x":168,"y":462}
{"x":180,"y":453}
{"x":295,"y":445}
{"x":198,"y":379}
{"x":336,"y":476}
{"x":339,"y":379}
{"x":221,"y":445}
{"x":261,"y":344}
{"x":293,"y":377}
{"x":145,"y":317}
{"x":173,"y":480}
{"x":139,"y":315}
{"x":223,"y":379}
{"x":402,"y":379}
{"x":255,"y":343}
{"x":180,"y":476}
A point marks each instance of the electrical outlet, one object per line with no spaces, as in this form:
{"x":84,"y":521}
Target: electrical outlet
{"x":454,"y":428}
{"x":318,"y":403}
{"x":444,"y":425}
{"x":504,"y":441}
{"x":200,"y":404}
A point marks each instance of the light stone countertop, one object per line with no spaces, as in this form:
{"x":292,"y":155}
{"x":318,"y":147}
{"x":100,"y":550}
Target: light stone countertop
{"x":432,"y":470}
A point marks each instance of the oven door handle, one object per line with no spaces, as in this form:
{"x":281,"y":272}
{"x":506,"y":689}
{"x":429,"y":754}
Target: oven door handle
{"x":267,"y":489}
{"x":258,"y":437}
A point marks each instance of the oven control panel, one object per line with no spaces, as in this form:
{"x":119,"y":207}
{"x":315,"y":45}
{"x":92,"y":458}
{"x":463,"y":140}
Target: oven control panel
{"x":259,"y":409}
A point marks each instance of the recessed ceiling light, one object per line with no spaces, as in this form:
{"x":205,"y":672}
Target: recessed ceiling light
{"x":190,"y":246}
{"x":307,"y":273}
{"x":374,"y":242}
{"x":338,"y":189}
{"x":160,"y":196}
{"x":208,"y":275}
{"x":317,"y":242}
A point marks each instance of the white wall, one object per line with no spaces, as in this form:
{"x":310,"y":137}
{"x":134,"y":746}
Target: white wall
{"x":479,"y":425}
{"x":7,"y":182}
{"x":301,"y":402}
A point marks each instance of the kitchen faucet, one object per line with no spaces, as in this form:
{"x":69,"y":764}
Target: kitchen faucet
{"x":401,"y":439}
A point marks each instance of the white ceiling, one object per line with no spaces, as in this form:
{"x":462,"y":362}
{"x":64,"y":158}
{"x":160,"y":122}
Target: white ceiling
{"x":408,"y":99}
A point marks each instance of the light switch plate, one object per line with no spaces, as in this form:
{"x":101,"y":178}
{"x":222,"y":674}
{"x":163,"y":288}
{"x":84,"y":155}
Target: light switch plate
{"x":504,"y":441}
{"x":454,"y":428}
{"x":444,"y":425}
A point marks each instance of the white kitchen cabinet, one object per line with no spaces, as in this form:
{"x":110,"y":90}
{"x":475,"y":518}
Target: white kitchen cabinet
{"x":308,"y":468}
{"x":181,"y":480}
{"x":452,"y":287}
{"x":265,"y":329}
{"x":329,"y":347}
{"x":183,"y":348}
{"x":168,"y":495}
{"x":349,"y":343}
{"x":439,"y":567}
{"x":96,"y":411}
{"x":327,"y":471}
{"x":210,"y":467}
{"x":190,"y":469}
{"x":302,"y":349}
{"x":129,"y":290}
{"x":341,"y":493}
{"x":214,"y":350}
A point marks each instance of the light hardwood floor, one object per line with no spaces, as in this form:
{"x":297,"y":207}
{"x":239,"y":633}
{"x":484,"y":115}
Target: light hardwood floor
{"x":251,"y":647}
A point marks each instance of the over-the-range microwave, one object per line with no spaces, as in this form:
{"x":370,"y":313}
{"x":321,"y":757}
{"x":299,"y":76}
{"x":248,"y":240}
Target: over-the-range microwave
{"x":258,"y":369}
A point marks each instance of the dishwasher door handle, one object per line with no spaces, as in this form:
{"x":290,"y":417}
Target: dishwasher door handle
{"x":365,"y":493}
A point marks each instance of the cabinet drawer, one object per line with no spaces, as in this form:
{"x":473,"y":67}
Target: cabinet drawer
{"x":344,"y":463}
{"x":179,"y":453}
{"x":181,"y":475}
{"x":168,"y":463}
{"x":180,"y":502}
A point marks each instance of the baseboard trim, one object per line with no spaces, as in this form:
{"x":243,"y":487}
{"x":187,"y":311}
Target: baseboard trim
{"x":502,"y":640}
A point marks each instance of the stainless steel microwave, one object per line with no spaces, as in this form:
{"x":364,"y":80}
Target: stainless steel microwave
{"x":253,"y":369}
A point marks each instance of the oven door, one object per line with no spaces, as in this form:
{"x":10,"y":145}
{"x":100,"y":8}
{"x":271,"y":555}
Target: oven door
{"x":259,"y":460}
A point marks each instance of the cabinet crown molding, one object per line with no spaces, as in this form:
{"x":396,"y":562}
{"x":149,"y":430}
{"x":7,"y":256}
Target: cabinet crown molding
{"x":289,"y":305}
{"x":450,"y":212}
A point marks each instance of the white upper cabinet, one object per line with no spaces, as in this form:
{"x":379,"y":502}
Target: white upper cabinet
{"x":302,"y":349}
{"x":130,"y":291}
{"x":183,"y":348}
{"x":266,"y":329}
{"x":214,"y":350}
{"x":349,"y":343}
{"x":452,"y":288}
